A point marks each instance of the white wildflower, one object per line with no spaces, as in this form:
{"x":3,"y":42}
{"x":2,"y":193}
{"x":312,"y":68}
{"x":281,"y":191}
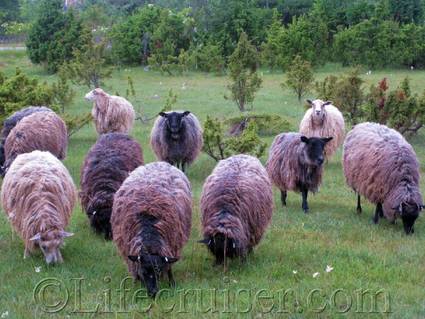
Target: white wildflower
{"x":315,"y":274}
{"x":37,"y":269}
{"x":329,"y":268}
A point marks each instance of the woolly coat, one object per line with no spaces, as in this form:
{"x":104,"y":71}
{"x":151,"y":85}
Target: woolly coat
{"x":43,"y":131}
{"x":239,"y":185}
{"x":112,"y":113}
{"x":288,"y":166}
{"x":186,"y":149}
{"x":38,"y":195}
{"x":11,"y":122}
{"x":156,"y":190}
{"x":382,"y":166}
{"x":331,"y":125}
{"x":106,"y":166}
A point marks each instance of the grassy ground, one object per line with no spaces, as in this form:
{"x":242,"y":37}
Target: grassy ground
{"x":276,"y":281}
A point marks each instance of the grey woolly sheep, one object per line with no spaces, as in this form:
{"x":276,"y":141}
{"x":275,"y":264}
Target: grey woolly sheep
{"x":151,"y":220}
{"x":38,"y":196}
{"x":382,"y":166}
{"x":324,"y":120}
{"x":11,"y":122}
{"x":236,"y":207}
{"x":105,"y":167}
{"x":110,"y":113}
{"x":296,"y":163}
{"x":176,"y":138}
{"x":43,"y":131}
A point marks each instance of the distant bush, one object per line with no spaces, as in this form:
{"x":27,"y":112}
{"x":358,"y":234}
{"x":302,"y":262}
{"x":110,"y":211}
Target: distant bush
{"x":54,"y":35}
{"x":219,"y":145}
{"x":398,"y":108}
{"x":18,"y":91}
{"x":267,"y":124}
{"x":376,"y":43}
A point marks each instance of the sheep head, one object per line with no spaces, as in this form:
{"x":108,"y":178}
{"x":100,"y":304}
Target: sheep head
{"x":50,"y":243}
{"x":149,"y":269}
{"x":408,"y":212}
{"x":174,"y":122}
{"x":314,"y":149}
{"x":93,"y":94}
{"x":318,"y":109}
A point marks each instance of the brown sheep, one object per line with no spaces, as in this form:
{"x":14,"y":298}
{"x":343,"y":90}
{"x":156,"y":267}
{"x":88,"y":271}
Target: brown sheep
{"x":295,"y":163}
{"x":111,"y":113}
{"x":151,"y":221}
{"x":38,"y":196}
{"x":382,"y":166}
{"x":105,"y":167}
{"x":43,"y":131}
{"x":236,"y":207}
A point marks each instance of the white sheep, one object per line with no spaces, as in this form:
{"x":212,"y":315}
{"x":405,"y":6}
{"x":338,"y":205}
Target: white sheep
{"x":111,"y":113}
{"x":324,"y":120}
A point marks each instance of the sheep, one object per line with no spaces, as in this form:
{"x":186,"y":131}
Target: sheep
{"x":176,"y":138}
{"x":324,"y":120}
{"x":296,"y":163}
{"x":110,"y":113}
{"x":105,"y":167}
{"x":382,"y":166}
{"x":236,"y":207}
{"x":11,"y":122}
{"x":43,"y":131}
{"x":38,"y":196}
{"x":151,"y":220}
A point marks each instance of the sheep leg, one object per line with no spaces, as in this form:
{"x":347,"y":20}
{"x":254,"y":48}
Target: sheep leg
{"x":305,"y":203}
{"x":183,"y":164}
{"x":378,"y":213}
{"x":283,"y":195}
{"x":359,"y":206}
{"x":26,"y":253}
{"x":171,"y":278}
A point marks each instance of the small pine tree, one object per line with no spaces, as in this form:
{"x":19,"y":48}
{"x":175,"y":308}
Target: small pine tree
{"x":245,"y":82}
{"x":272,"y":48}
{"x":300,"y":77}
{"x":89,"y":66}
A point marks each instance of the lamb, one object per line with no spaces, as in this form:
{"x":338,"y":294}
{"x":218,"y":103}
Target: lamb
{"x":236,"y":206}
{"x":382,"y":166}
{"x":38,"y":196}
{"x":11,"y":122}
{"x":151,"y":220}
{"x":296,"y":163}
{"x":105,"y":168}
{"x":111,"y":113}
{"x":176,"y":138}
{"x":324,"y":120}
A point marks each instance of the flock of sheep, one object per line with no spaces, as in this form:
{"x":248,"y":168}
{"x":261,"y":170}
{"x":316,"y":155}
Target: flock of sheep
{"x":147,"y":209}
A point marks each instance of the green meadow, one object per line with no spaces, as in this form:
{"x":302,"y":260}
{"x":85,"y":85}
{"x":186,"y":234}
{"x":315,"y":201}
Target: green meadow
{"x":377,"y":271}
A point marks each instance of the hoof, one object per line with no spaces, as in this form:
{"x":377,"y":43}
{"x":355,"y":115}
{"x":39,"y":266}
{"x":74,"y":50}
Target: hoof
{"x":306,"y":211}
{"x":359,"y":210}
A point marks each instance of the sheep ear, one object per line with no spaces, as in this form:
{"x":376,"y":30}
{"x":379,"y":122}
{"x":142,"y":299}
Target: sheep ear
{"x":169,"y":260}
{"x":134,"y":258}
{"x":304,"y":139}
{"x":65,"y":234}
{"x":327,"y":103}
{"x":186,"y":113}
{"x":309,"y":101}
{"x":36,"y":237}
{"x":327,"y":139}
{"x":163,"y":114}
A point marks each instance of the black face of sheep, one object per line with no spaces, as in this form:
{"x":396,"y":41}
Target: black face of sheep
{"x":175,"y":123}
{"x":222,"y":247}
{"x":315,"y":149}
{"x":409,"y":213}
{"x":150,"y":267}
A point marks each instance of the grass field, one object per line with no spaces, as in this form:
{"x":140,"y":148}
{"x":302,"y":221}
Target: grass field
{"x":367,"y":260}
